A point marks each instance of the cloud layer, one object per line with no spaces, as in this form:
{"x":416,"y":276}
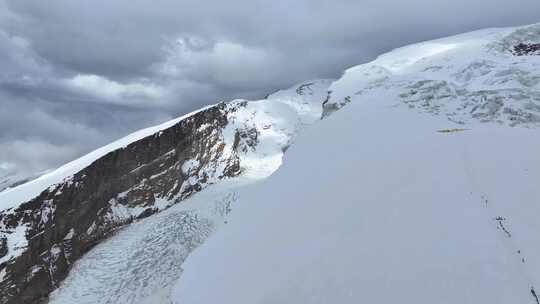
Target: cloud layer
{"x":77,"y":74}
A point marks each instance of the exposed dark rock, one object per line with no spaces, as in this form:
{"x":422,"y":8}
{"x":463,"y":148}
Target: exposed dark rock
{"x":331,"y":107}
{"x":69,"y":218}
{"x":3,"y":246}
{"x":523,"y":49}
{"x":301,"y":90}
{"x":535,"y":296}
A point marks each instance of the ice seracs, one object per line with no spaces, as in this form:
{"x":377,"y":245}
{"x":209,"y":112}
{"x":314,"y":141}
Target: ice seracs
{"x":469,"y":77}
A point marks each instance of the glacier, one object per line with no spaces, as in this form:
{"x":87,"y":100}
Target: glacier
{"x":423,"y":191}
{"x":417,"y":186}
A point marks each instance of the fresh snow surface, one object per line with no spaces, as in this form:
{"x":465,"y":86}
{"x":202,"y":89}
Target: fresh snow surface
{"x":385,"y":210}
{"x":13,"y":197}
{"x":382,"y":203}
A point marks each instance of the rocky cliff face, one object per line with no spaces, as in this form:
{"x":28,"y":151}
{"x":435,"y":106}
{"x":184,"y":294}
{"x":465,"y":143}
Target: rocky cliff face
{"x":41,"y":239}
{"x":379,"y":154}
{"x":67,"y":219}
{"x":422,"y":189}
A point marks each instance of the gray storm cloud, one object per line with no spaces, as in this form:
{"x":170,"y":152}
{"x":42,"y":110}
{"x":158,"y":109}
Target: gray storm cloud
{"x":78,"y":74}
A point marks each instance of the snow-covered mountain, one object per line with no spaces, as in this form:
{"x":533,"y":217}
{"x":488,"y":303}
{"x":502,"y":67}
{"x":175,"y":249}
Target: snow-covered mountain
{"x":49,"y":223}
{"x":11,"y":179}
{"x":425,"y":189}
{"x":421,"y":189}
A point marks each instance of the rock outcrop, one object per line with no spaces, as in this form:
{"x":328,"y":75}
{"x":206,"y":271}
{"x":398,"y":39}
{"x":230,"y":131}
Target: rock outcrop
{"x":523,"y":49}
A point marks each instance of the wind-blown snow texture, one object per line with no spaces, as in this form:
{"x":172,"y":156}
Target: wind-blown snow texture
{"x":397,"y":206}
{"x":421,"y":190}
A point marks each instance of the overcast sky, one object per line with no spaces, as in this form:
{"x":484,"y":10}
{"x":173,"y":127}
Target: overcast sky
{"x":75,"y":75}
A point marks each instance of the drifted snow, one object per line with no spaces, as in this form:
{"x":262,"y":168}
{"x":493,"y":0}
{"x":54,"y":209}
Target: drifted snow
{"x":383,"y":204}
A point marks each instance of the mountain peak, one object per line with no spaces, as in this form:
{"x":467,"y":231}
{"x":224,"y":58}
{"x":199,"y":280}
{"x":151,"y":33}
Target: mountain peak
{"x":407,"y":185}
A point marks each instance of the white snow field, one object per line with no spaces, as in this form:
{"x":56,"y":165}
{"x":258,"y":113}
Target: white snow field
{"x":386,"y":210}
{"x":385,"y":203}
{"x":422,"y":189}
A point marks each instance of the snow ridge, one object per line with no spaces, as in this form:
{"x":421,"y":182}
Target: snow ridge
{"x":260,"y":131}
{"x":415,"y":208}
{"x":377,"y":203}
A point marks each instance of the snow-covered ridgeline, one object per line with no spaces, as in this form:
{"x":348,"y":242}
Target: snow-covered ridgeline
{"x":260,"y":131}
{"x":278,"y":119}
{"x":13,"y":197}
{"x":147,"y":174}
{"x":469,"y":77}
{"x":378,"y":203}
{"x":397,"y":206}
{"x":300,"y":100}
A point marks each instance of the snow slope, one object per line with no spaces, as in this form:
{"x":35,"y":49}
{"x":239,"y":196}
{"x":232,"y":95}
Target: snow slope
{"x":420,"y":192}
